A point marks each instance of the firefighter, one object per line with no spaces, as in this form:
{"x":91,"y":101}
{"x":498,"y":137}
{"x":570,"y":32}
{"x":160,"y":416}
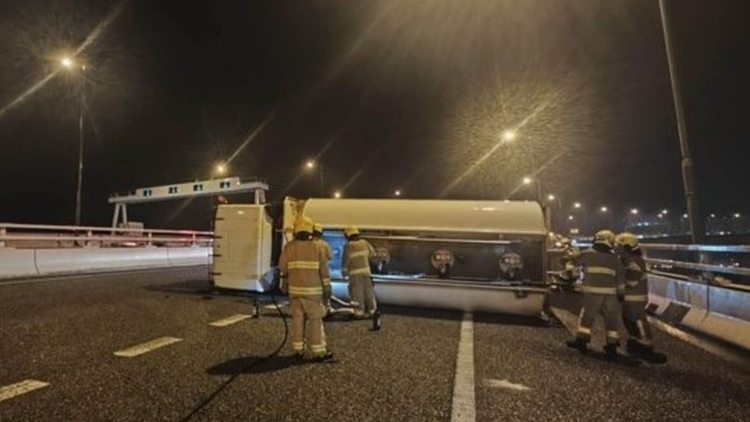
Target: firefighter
{"x":322,"y":244}
{"x":603,"y":281}
{"x":640,"y":340}
{"x":570,"y":272}
{"x":305,"y":269}
{"x":355,"y":263}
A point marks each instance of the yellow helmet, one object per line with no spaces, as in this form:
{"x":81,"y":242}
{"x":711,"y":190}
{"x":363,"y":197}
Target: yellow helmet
{"x":627,"y":239}
{"x":317,"y":227}
{"x":605,"y":237}
{"x":303,"y":224}
{"x":351,"y":231}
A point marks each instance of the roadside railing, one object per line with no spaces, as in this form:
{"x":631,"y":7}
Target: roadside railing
{"x":35,"y":236}
{"x":719,"y":265}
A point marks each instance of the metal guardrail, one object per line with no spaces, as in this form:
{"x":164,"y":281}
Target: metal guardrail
{"x":719,"y":265}
{"x":46,"y":236}
{"x":725,"y":266}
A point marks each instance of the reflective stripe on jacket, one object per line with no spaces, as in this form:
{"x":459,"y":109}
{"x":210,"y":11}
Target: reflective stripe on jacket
{"x":602,"y":272}
{"x":305,"y":267}
{"x":356,"y":258}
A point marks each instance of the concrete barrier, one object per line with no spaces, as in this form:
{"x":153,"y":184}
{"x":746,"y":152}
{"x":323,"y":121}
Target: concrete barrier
{"x":17,"y":263}
{"x":23,"y":263}
{"x":188,"y":256}
{"x":716,"y":311}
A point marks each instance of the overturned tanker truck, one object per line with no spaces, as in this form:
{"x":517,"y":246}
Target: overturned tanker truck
{"x":484,"y":256}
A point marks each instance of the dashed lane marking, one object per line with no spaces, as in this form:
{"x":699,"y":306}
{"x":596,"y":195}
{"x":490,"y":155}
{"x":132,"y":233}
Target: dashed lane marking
{"x":19,"y":388}
{"x":505,"y":385}
{"x":229,"y":320}
{"x":146,"y":347}
{"x":463,"y":408}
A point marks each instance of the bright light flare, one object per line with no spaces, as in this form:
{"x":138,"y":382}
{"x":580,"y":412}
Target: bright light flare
{"x":571,"y":218}
{"x":603,"y":209}
{"x":527,"y":180}
{"x":737,"y":215}
{"x":67,"y":62}
{"x":397,"y":193}
{"x":634,"y":211}
{"x":577,"y":205}
{"x":509,"y":135}
{"x":220,"y":169}
{"x":337,"y":195}
{"x":550,"y":197}
{"x":310,"y":164}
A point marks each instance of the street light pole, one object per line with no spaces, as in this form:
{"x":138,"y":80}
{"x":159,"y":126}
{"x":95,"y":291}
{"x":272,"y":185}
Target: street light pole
{"x":697,"y":225}
{"x":82,"y":106}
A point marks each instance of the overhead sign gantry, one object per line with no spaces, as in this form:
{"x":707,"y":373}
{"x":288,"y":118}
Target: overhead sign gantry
{"x":223,"y":186}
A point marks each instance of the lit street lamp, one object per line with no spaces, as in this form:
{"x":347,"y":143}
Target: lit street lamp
{"x":603,"y":209}
{"x":397,"y":193}
{"x":634,"y":211}
{"x":527,"y":180}
{"x":70,"y":65}
{"x":220,"y":169}
{"x":337,"y":195}
{"x":310,"y":166}
{"x":577,"y":205}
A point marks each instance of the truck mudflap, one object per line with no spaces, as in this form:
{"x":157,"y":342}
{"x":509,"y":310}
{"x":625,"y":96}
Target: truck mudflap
{"x":462,"y":295}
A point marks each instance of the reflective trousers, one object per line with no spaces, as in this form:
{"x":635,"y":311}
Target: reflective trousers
{"x":313,"y":310}
{"x":362,"y":294}
{"x":595,"y":304}
{"x":634,"y":318}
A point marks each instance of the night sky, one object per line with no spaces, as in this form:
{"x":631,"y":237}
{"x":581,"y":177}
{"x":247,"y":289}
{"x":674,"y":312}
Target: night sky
{"x":388,"y":94}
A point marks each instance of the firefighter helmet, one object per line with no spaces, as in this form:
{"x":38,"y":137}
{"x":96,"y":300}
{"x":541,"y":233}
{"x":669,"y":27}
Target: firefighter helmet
{"x":351,"y":231}
{"x":303,"y":224}
{"x":627,"y":239}
{"x":318,"y":228}
{"x":605,"y":237}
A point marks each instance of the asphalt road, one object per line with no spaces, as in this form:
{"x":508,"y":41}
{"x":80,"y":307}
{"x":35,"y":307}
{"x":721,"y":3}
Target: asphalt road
{"x":65,"y":332}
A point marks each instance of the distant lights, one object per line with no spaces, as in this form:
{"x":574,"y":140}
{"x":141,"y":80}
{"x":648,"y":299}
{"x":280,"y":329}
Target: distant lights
{"x":737,"y":215}
{"x":337,"y":195}
{"x":509,"y":135}
{"x":310,"y":164}
{"x":397,"y":193}
{"x":603,"y":209}
{"x":634,"y":211}
{"x":665,"y":212}
{"x":684,"y":216}
{"x":570,"y":217}
{"x":550,"y":197}
{"x":527,"y":180}
{"x":577,"y":205}
{"x":713,"y":215}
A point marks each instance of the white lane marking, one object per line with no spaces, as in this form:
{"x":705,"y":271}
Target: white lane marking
{"x":146,"y":347}
{"x":229,"y":320}
{"x":505,"y":384}
{"x":463,"y":408}
{"x":23,"y":387}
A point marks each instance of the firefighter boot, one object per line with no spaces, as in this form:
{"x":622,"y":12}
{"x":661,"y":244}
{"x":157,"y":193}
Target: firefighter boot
{"x":610,"y":352}
{"x":326,"y":358}
{"x":579,"y":344}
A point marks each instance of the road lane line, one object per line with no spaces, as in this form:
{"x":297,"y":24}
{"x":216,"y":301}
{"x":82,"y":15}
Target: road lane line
{"x":23,"y":387}
{"x":505,"y":384}
{"x":146,"y":347}
{"x":229,"y":320}
{"x":463,"y":408}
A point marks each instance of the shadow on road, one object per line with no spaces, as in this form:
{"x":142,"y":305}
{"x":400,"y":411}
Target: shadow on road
{"x":253,"y":365}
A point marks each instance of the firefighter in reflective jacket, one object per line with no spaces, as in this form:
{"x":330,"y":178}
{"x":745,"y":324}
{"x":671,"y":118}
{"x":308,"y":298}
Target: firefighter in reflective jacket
{"x":603,"y":281}
{"x":308,"y":284}
{"x":640,"y":340}
{"x":322,"y":244}
{"x":355,"y":263}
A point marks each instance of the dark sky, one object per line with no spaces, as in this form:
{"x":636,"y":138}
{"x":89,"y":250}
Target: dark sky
{"x":409,"y":94}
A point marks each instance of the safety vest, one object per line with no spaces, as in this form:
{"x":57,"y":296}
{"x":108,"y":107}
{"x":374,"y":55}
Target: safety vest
{"x":636,"y":280}
{"x":305,"y":267}
{"x":325,"y":247}
{"x":356,"y":259}
{"x":602,"y":272}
